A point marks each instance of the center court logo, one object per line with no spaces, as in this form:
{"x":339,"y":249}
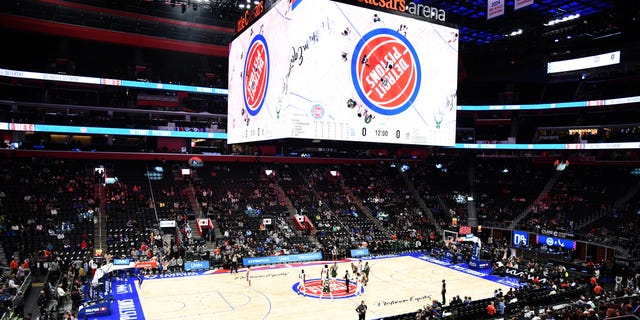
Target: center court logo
{"x":256,"y":75}
{"x":313,"y":288}
{"x":385,"y":71}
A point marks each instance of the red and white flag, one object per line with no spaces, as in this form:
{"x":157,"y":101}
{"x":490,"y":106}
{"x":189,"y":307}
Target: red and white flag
{"x":495,"y":8}
{"x":517,"y":4}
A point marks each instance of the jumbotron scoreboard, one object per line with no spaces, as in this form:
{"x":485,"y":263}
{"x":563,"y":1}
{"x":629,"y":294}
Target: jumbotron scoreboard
{"x":329,"y":70}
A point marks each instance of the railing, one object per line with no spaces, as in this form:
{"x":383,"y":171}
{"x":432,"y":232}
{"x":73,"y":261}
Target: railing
{"x":23,"y":290}
{"x":627,"y":316}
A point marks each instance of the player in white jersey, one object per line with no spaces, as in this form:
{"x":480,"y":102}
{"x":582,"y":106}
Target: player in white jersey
{"x":324,"y":274}
{"x":358,"y":284}
{"x":302,"y":279}
{"x":248,"y":276}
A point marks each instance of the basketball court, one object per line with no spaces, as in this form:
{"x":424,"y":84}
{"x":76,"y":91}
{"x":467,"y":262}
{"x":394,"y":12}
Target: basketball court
{"x":397,"y":284}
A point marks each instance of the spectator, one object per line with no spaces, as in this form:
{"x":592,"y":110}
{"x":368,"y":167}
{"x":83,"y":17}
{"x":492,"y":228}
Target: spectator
{"x":491,"y":309}
{"x":501,"y":306}
{"x":179,"y":263}
{"x":42,"y":302}
{"x":21,"y":273}
{"x":597,"y":290}
{"x":18,"y":302}
{"x":172,"y":264}
{"x":13,"y":265}
{"x":12,"y":285}
{"x":25,"y":264}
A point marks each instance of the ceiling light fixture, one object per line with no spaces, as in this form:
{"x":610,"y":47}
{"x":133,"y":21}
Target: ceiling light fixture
{"x":563,"y":19}
{"x":514,"y":33}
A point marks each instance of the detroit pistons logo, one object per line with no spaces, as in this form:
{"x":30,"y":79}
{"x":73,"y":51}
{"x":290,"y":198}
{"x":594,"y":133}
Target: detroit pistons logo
{"x":256,"y":75}
{"x":385,"y":70}
{"x":313,"y":289}
{"x":317,"y":111}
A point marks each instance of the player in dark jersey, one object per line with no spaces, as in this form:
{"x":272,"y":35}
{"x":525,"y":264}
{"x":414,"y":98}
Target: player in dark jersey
{"x":326,"y":288}
{"x":334,"y":270}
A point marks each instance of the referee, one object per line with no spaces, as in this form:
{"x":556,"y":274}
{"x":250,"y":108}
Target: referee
{"x":361,"y":310}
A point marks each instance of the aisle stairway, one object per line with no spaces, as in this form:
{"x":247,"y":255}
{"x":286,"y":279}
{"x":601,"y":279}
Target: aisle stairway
{"x":197,"y":208}
{"x":364,"y":209}
{"x":416,"y":195}
{"x":545,"y":191}
{"x":100,"y":219}
{"x":282,"y":197}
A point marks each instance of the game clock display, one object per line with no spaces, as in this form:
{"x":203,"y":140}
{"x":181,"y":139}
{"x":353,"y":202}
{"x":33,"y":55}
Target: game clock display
{"x":326,"y":70}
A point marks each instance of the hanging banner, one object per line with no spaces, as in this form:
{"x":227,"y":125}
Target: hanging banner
{"x":495,"y":8}
{"x":517,"y":4}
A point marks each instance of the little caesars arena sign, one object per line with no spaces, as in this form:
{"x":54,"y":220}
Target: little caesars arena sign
{"x":413,"y":8}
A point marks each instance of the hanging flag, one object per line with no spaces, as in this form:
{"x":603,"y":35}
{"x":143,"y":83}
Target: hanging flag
{"x":495,"y":8}
{"x":521,"y":4}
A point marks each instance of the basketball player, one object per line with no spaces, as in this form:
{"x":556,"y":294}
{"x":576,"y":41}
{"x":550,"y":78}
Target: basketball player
{"x":359,"y":283}
{"x":248,"y":276}
{"x":326,"y":287}
{"x":334,"y":270}
{"x":365,"y":279}
{"x":324,"y":274}
{"x":366,"y":270}
{"x":302,"y":279}
{"x":140,"y":278}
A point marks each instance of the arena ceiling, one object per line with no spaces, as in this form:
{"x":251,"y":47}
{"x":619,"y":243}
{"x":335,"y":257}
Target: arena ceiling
{"x":526,"y":29}
{"x":471,"y":17}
